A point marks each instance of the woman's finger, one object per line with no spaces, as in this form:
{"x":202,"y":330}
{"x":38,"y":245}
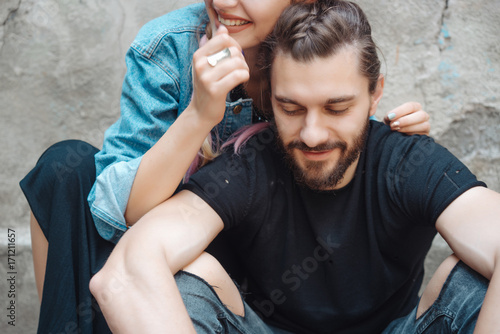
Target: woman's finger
{"x":410,"y":119}
{"x":417,"y":122}
{"x":218,"y":80}
{"x":419,"y":129}
{"x":403,"y":110}
{"x":219,"y":42}
{"x":212,"y":72}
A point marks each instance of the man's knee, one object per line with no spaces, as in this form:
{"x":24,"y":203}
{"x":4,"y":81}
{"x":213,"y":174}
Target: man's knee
{"x":433,"y":288}
{"x":208,"y":268}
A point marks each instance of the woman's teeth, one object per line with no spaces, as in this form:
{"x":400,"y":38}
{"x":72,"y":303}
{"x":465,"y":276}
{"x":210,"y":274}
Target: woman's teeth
{"x":232,"y":22}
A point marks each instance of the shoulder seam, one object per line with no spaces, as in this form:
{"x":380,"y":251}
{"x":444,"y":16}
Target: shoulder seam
{"x":148,"y":52}
{"x":159,"y":65}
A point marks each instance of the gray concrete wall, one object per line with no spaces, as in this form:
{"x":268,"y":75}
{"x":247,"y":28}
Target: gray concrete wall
{"x":62,"y":65}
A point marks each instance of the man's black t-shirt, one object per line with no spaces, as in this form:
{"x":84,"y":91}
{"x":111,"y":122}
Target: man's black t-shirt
{"x":343,"y":261}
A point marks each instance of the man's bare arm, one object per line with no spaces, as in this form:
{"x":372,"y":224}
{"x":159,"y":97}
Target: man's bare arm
{"x":471,"y":226}
{"x":136,"y":289}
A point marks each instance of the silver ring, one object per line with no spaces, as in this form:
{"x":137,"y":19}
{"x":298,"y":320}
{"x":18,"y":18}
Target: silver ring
{"x":214,"y":59}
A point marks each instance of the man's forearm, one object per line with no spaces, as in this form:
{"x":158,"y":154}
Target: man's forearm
{"x":136,"y":289}
{"x":137,"y":293}
{"x":470,"y":226}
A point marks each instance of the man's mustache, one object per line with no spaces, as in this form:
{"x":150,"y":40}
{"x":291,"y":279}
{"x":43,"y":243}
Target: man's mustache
{"x":319,"y":148}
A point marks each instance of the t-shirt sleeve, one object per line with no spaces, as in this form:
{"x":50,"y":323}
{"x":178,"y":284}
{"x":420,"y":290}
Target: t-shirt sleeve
{"x":227,"y":185}
{"x":423,"y":178}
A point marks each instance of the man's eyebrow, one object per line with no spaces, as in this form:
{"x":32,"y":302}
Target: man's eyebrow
{"x":341,"y":99}
{"x":333,"y":100}
{"x":286,"y":100}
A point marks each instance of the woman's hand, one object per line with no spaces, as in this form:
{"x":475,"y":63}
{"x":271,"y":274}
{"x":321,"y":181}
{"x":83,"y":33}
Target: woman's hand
{"x":211,"y":84}
{"x":409,"y":118}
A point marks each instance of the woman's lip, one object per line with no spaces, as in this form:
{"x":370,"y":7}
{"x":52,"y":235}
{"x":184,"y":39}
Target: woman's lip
{"x":230,"y":16}
{"x":232,"y":29}
{"x":236,"y":29}
{"x":316,"y":156}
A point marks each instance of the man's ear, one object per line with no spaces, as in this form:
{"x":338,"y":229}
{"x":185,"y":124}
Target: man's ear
{"x":377,"y":95}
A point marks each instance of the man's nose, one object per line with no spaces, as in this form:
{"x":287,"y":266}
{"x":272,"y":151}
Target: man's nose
{"x":314,"y":130}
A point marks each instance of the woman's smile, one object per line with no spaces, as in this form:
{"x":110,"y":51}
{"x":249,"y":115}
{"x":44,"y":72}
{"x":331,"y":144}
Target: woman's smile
{"x":234,"y":24}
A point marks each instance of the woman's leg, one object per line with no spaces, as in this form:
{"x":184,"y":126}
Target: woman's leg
{"x":207,"y":267}
{"x":198,"y":284}
{"x":40,"y":246}
{"x":433,"y":288}
{"x":67,"y":249}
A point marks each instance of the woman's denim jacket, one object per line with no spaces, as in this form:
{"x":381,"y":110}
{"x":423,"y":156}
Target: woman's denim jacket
{"x":156,"y":89}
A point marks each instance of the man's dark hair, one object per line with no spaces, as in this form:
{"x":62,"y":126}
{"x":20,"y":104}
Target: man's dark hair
{"x":305,"y":31}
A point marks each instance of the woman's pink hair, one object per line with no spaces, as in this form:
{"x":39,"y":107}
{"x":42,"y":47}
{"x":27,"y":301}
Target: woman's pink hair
{"x":237,"y":139}
{"x":241,"y":137}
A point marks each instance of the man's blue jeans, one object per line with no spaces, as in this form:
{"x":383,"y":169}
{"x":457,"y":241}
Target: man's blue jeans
{"x":455,"y":310}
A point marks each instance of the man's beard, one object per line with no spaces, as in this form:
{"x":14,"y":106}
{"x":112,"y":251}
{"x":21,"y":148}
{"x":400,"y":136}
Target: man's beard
{"x":317,"y":175}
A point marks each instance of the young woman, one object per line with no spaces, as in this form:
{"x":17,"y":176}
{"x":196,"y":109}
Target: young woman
{"x":177,"y":95}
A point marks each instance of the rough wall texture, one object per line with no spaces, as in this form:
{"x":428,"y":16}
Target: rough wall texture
{"x":62,"y":64}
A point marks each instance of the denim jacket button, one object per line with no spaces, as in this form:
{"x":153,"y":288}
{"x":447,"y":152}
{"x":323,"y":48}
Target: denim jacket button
{"x":237,"y":109}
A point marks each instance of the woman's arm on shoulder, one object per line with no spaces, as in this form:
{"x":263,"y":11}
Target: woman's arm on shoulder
{"x":148,"y":107}
{"x":164,"y":165}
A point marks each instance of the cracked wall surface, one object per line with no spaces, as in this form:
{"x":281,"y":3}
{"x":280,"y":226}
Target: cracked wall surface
{"x":62,"y":65}
{"x":7,"y":11}
{"x":445,"y":54}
